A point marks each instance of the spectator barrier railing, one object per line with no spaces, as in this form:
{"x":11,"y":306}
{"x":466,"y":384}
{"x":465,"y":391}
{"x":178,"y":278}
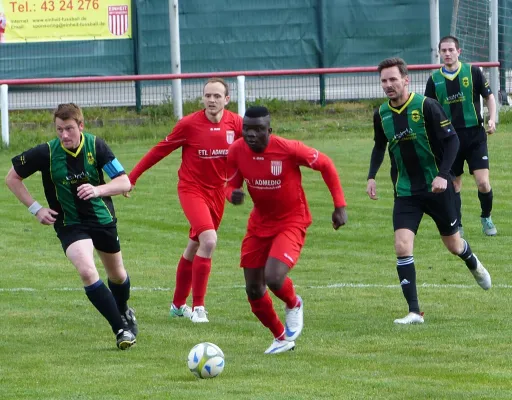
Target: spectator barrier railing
{"x":320,"y":85}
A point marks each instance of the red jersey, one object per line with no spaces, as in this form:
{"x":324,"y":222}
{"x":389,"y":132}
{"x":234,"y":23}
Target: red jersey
{"x":204,"y":149}
{"x":274,"y":181}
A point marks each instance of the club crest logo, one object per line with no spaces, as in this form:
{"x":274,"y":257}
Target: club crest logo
{"x":465,"y":82}
{"x":90,"y":158}
{"x":118,"y":20}
{"x":276,"y":167}
{"x":230,"y":136}
{"x":415,"y":115}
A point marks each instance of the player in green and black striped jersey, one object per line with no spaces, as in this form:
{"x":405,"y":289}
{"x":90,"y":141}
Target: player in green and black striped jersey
{"x":422,"y":145}
{"x":458,"y":87}
{"x":81,"y":211}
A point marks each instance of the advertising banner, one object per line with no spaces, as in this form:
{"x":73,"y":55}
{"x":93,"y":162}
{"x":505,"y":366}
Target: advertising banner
{"x":57,"y":20}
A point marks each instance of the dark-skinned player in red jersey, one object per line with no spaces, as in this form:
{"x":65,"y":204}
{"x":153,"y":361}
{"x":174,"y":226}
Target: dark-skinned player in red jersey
{"x":204,"y":137}
{"x":270,"y":167}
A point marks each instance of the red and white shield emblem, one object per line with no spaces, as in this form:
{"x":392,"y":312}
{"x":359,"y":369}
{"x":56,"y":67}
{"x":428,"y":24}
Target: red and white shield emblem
{"x":276,"y":167}
{"x":118,"y":20}
{"x":230,"y":136}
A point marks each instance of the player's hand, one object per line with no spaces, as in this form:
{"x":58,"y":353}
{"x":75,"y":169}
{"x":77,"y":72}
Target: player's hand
{"x":127,"y":194}
{"x":87,"y":191}
{"x":339,"y":217}
{"x":371,"y":189}
{"x":237,"y":197}
{"x":439,"y":185}
{"x":491,"y":127}
{"x":46,"y":216}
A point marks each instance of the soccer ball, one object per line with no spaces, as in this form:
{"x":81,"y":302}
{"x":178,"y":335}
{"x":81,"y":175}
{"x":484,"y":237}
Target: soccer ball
{"x":206,"y":360}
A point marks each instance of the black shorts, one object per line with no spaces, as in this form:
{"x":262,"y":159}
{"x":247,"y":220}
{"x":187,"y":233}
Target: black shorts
{"x":473,"y":149}
{"x":104,"y":238}
{"x":408,"y":211}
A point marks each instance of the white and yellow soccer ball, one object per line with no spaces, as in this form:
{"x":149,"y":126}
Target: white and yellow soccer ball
{"x":206,"y":360}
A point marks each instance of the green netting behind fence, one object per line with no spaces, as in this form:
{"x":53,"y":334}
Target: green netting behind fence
{"x":228,"y":35}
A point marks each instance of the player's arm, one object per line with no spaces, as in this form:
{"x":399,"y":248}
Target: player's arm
{"x":234,"y":187}
{"x":483,"y":88}
{"x":377,"y":157}
{"x":24,"y":165}
{"x":314,"y":159}
{"x":174,"y":140}
{"x":436,"y":120}
{"x":107,"y":161}
{"x":430,"y":88}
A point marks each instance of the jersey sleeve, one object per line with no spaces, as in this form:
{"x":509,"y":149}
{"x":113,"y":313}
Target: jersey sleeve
{"x":107,"y":160}
{"x":480,"y":83}
{"x":235,"y":180}
{"x":32,"y":160}
{"x":379,"y":137}
{"x":176,"y":139}
{"x":312,"y":158}
{"x":430,"y":88}
{"x":379,"y":147}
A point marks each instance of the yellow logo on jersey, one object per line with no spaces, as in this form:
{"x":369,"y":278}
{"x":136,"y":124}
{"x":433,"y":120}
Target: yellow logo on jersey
{"x":415,"y":115}
{"x":465,"y":81}
{"x":90,"y":158}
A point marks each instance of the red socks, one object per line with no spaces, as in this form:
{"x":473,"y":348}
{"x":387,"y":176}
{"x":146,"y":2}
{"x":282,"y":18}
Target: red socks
{"x":265,"y":312}
{"x":200,"y":273}
{"x":183,"y":282}
{"x":287,"y":293}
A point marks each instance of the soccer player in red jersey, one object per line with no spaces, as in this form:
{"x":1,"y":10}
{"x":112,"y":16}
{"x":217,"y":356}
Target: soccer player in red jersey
{"x":205,"y":137}
{"x":270,"y":167}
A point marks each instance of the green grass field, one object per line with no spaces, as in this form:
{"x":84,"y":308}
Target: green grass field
{"x":54,"y":345}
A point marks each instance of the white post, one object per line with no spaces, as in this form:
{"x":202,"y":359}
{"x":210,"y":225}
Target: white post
{"x":4,"y":110}
{"x":174,"y":24}
{"x":434,"y":31}
{"x":493,"y":53}
{"x":241,"y":94}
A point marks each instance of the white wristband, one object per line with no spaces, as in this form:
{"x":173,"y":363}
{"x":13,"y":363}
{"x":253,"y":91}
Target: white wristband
{"x":35,"y":207}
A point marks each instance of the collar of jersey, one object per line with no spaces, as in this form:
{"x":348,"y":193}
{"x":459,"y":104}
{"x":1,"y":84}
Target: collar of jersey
{"x":77,"y":150}
{"x":399,"y":111}
{"x":451,"y":76}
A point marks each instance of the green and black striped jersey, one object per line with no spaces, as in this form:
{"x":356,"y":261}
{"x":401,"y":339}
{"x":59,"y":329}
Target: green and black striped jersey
{"x":459,"y":94}
{"x":63,"y":171}
{"x":414,"y":133}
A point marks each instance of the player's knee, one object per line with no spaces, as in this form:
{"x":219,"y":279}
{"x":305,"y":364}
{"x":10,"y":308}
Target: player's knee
{"x":457,"y":184}
{"x":118,"y":275}
{"x":89,"y":275}
{"x":484,"y":186}
{"x":455,"y":247}
{"x":208,"y":241}
{"x":254,"y":290}
{"x":403,"y":248}
{"x":274,"y":280}
{"x":208,"y":246}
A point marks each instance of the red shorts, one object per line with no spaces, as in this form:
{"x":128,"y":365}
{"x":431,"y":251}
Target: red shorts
{"x":285,"y":246}
{"x":203,"y":210}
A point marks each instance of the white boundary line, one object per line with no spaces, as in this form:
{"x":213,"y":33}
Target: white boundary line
{"x":331,"y":286}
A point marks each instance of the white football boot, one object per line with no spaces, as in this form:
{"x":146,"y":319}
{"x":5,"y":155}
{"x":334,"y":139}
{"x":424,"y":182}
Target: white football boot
{"x":482,"y":277}
{"x":199,"y":315}
{"x":411,"y":318}
{"x":280,"y":346}
{"x":294,"y":321}
{"x":183,"y":311}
